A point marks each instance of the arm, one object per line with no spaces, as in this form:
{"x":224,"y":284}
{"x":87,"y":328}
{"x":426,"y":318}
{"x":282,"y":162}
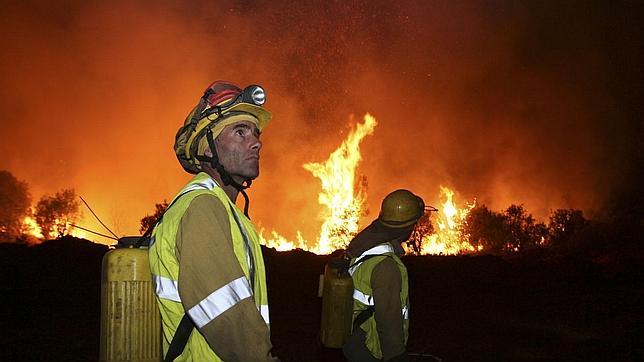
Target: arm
{"x":207,"y":265}
{"x":386,"y":284}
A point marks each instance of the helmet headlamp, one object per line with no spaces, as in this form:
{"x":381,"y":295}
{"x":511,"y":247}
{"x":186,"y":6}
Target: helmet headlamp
{"x":253,"y":94}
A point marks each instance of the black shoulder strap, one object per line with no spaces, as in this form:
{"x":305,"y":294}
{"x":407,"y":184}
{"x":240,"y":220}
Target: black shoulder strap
{"x":362,"y":317}
{"x":363,"y":259}
{"x":180,"y":338}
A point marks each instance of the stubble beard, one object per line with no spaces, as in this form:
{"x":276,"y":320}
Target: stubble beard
{"x":245,"y":170}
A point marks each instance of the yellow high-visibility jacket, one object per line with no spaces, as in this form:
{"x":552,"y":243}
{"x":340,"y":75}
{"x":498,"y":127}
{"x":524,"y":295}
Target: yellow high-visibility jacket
{"x":214,"y":306}
{"x":362,"y":272}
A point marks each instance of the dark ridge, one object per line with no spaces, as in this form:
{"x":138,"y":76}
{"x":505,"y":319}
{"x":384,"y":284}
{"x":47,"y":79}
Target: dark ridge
{"x":463,"y":308}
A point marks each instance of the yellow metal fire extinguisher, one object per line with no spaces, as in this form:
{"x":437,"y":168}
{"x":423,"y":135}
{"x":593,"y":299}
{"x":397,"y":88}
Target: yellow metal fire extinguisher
{"x":130,"y":319}
{"x":337,"y":303}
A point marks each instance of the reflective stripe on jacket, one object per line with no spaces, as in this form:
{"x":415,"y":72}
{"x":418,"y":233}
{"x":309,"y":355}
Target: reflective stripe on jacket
{"x":361,"y":272}
{"x":165,"y":270}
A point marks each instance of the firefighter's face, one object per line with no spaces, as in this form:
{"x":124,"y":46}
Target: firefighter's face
{"x":238,"y":148}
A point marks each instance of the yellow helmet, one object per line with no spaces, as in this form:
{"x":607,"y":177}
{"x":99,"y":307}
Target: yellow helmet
{"x":400,"y":209}
{"x":223,"y":103}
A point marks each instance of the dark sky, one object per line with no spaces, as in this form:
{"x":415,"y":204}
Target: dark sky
{"x":506,"y":102}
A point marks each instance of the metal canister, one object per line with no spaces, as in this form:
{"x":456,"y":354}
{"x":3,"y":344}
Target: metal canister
{"x":130,"y":319}
{"x":337,"y":304}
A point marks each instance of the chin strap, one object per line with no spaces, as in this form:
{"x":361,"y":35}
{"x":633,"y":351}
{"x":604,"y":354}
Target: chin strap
{"x":225,"y":176}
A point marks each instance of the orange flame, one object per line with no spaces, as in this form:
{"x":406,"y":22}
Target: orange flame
{"x":343,"y":203}
{"x":31,"y":228}
{"x":449,"y":238}
{"x":343,"y":206}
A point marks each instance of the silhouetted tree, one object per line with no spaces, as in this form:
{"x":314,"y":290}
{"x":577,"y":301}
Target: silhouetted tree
{"x":526,"y":234}
{"x":148,"y":221}
{"x":14,"y":206}
{"x":565,"y":229}
{"x":55,"y":214}
{"x":488,"y":229}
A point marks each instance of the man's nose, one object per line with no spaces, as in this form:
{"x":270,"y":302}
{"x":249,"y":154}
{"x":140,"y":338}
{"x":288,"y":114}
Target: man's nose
{"x":256,"y":144}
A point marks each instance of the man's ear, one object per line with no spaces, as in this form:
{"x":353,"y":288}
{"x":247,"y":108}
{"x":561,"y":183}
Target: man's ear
{"x":207,"y":152}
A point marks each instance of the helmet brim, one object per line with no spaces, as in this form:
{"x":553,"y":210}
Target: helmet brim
{"x":402,"y":225}
{"x":262,"y":115}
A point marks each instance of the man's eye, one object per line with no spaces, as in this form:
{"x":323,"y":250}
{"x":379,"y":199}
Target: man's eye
{"x":239,"y":132}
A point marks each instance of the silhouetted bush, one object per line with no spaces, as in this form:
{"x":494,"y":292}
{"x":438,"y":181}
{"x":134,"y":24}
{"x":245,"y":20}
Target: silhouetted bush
{"x":14,"y":206}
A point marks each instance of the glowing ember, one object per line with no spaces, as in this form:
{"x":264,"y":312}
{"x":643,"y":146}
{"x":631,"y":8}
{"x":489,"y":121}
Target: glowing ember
{"x":339,"y":195}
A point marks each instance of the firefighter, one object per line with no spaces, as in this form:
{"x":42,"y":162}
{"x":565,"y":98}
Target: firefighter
{"x":380,"y":296}
{"x":205,"y":256}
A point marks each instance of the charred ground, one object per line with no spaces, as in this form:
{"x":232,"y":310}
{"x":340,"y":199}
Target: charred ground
{"x":483,"y":308}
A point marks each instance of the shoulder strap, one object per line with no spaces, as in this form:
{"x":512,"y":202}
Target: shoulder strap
{"x":180,"y":338}
{"x":363,"y":259}
{"x":362,"y":317}
{"x":366,"y":313}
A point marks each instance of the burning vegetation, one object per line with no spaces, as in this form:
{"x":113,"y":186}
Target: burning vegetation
{"x":450,"y":230}
{"x":454,"y":227}
{"x":52,"y":217}
{"x":450,"y":236}
{"x":341,"y":195}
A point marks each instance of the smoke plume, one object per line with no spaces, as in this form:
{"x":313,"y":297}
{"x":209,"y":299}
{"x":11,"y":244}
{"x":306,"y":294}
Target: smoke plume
{"x":531,"y":103}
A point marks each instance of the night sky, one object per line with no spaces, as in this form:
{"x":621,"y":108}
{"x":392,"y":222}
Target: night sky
{"x":506,"y":102}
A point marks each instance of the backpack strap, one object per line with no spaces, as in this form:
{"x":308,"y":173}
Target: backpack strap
{"x":363,"y":259}
{"x":362,"y":317}
{"x":366,"y":313}
{"x":180,"y":338}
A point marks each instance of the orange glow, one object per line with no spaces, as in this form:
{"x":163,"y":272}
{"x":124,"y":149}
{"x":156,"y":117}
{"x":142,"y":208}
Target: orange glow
{"x":31,"y":228}
{"x":95,"y":105}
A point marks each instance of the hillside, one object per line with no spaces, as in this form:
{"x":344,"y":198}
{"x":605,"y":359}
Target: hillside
{"x":462,"y":308}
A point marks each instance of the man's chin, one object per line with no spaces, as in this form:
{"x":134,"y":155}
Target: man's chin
{"x":250,"y":176}
{"x":247,"y":174}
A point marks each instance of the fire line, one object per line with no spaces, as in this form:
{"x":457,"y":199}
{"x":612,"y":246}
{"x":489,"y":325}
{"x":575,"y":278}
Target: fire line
{"x":343,"y":200}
